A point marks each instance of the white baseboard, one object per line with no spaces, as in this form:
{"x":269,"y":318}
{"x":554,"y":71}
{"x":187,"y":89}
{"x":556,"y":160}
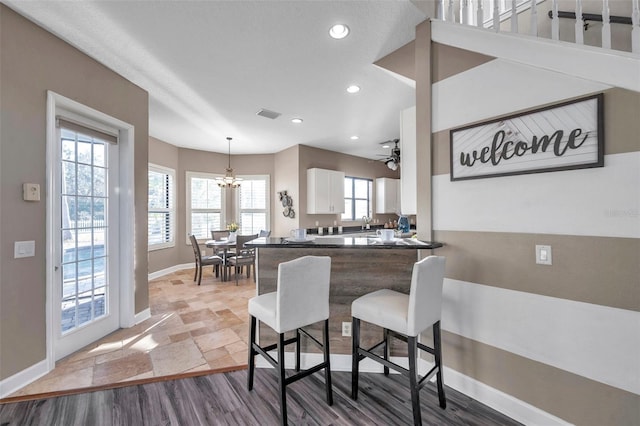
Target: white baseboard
{"x":497,"y":400}
{"x":500,"y":401}
{"x":142,"y":315}
{"x":163,"y":272}
{"x":23,"y":378}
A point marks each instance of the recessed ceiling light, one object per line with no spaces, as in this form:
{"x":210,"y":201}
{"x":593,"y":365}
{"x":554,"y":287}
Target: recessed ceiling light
{"x":339,"y":31}
{"x":354,"y":138}
{"x":386,"y":146}
{"x":353,"y":89}
{"x":296,"y":120}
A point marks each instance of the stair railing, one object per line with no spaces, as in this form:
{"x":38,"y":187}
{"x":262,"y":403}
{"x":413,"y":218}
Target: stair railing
{"x":502,"y":10}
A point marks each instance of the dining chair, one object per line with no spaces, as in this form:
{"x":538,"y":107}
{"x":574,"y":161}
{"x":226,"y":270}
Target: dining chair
{"x":219,"y":235}
{"x":202,"y":261}
{"x":404,"y":316}
{"x":301,"y":299}
{"x":264,"y":233}
{"x":243,"y":257}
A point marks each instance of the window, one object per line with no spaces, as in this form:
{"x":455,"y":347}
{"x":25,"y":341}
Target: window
{"x":253,"y":204}
{"x":161,"y":207}
{"x":205,"y":205}
{"x":357,"y":198}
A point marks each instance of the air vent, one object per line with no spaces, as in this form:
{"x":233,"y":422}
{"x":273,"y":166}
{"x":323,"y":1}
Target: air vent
{"x":268,"y":114}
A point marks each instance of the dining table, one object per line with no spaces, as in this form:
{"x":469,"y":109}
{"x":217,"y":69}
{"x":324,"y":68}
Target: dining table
{"x":224,"y":245}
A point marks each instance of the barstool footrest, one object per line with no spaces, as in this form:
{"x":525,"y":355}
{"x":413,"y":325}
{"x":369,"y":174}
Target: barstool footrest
{"x":316,"y":341}
{"x":263,"y":352}
{"x":404,"y":339}
{"x":365,"y":353}
{"x":275,"y":345}
{"x":376,"y":346}
{"x":428,"y":376}
{"x":304,"y":373}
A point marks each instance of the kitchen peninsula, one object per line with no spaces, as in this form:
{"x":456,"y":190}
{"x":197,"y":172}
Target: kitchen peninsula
{"x":359,"y":265}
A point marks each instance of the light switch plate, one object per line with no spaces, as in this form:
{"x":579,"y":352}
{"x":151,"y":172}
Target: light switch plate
{"x":543,"y":255}
{"x":24,"y":249}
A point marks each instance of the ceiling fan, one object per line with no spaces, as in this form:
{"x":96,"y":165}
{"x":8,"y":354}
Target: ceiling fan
{"x":393,"y":159}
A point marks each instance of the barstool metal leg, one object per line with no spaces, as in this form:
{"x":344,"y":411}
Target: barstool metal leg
{"x":355,"y":356}
{"x":387,"y":349}
{"x":413,"y":380}
{"x":327,"y":360}
{"x":437,"y":352}
{"x":252,"y":353}
{"x":282,"y":380}
{"x":297,"y":349}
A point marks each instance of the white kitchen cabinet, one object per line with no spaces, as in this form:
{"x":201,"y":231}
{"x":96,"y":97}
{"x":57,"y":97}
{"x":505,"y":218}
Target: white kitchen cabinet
{"x":408,"y":163}
{"x":387,"y":195}
{"x":325,"y":191}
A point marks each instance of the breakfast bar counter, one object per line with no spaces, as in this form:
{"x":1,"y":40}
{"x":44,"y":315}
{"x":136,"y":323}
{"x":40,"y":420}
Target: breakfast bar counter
{"x":359,"y":265}
{"x":340,"y":242}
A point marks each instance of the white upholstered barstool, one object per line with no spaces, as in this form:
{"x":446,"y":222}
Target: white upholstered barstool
{"x":301,"y":299}
{"x":405,"y":317}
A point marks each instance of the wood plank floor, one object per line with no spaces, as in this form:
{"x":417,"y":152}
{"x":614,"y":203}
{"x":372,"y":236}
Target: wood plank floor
{"x":223,"y":399}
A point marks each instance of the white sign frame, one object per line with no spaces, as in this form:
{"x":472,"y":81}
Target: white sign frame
{"x":564,"y":136}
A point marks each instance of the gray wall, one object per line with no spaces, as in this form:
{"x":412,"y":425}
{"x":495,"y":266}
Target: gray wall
{"x":520,"y":334}
{"x":33,"y":61}
{"x":562,"y":338}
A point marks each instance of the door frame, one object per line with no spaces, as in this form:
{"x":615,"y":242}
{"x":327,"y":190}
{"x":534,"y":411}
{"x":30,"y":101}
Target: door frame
{"x":57,"y":103}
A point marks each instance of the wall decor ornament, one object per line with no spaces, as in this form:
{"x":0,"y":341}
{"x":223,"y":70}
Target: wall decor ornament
{"x":565,"y":136}
{"x":287,"y":203}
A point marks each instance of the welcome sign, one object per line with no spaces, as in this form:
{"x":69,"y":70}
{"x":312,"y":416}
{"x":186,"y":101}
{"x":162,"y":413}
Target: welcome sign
{"x":565,"y":136}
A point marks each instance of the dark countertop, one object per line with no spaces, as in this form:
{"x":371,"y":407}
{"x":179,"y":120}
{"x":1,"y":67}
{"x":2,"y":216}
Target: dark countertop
{"x":343,"y":242}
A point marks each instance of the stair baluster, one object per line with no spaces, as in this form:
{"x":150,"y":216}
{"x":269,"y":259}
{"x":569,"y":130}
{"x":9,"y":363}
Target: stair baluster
{"x":514,"y":16}
{"x":480,"y":15}
{"x":534,"y":18}
{"x":635,"y":32}
{"x":465,"y":11}
{"x":555,"y":21}
{"x":579,"y":23}
{"x":451,"y":17}
{"x":496,"y":17}
{"x":606,"y":25}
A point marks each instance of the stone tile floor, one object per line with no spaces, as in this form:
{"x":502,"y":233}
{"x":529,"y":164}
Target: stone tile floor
{"x":192,"y":328}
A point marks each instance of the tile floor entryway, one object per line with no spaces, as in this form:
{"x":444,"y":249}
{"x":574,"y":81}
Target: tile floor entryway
{"x":192,"y":328}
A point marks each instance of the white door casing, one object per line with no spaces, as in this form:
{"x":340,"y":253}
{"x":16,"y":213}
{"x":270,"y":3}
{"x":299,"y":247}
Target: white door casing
{"x":121,"y":257}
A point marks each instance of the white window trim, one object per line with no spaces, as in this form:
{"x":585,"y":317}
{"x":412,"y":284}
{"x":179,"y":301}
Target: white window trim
{"x":189,"y":175}
{"x":266,"y":178}
{"x":171,"y":210}
{"x":369,"y":198}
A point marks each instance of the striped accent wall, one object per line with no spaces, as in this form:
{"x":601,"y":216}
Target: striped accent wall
{"x":564,"y":338}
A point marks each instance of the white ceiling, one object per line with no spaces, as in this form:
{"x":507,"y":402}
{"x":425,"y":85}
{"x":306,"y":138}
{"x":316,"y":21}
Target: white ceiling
{"x":209,"y":66}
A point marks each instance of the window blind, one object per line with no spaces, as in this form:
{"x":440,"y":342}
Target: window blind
{"x":62,"y":122}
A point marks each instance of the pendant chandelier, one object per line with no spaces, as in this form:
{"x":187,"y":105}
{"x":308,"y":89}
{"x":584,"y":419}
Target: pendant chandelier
{"x":229,"y":180}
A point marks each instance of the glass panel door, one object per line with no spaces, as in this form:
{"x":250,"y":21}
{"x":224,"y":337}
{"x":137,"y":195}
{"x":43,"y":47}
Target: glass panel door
{"x":84,"y":227}
{"x":87,"y":204}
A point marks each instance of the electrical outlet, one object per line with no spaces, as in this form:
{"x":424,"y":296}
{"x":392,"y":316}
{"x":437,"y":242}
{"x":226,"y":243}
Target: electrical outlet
{"x":346,"y":329}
